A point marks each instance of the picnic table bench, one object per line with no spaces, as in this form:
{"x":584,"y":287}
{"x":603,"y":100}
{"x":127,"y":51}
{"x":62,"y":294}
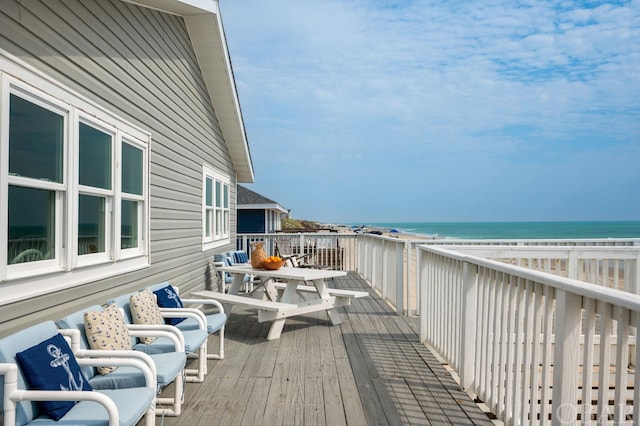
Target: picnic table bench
{"x":279,"y":297}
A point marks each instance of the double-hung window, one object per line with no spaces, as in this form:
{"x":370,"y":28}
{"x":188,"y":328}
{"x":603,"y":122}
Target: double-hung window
{"x":73,"y":187}
{"x":215,"y":208}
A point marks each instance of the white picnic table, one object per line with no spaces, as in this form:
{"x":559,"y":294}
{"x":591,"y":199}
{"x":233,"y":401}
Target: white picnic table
{"x":293,"y":281}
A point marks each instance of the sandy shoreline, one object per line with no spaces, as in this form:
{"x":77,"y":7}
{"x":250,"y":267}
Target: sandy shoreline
{"x":386,"y":232}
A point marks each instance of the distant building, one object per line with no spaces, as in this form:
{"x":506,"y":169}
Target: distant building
{"x":257,"y":213}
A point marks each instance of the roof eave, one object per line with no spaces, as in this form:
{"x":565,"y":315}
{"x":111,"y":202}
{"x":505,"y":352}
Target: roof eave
{"x":204,"y":24}
{"x":275,"y":206}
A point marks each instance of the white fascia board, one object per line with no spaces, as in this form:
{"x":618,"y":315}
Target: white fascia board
{"x":179,"y":7}
{"x":210,"y":47}
{"x":276,"y":206}
{"x":204,"y":24}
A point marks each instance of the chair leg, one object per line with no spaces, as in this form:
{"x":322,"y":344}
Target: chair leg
{"x":150,"y":417}
{"x":197,"y":375}
{"x":220,"y":354}
{"x":176,"y":401}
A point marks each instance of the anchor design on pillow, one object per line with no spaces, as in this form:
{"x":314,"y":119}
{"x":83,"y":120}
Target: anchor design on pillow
{"x":61,"y":359}
{"x":172,"y":295}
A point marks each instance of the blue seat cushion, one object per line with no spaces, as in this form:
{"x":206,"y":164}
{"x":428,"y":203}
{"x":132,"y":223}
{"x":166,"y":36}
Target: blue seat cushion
{"x":166,"y":297}
{"x":193,"y":339}
{"x":214,"y":323}
{"x":51,"y":365}
{"x":132,"y":404}
{"x":168,"y":366}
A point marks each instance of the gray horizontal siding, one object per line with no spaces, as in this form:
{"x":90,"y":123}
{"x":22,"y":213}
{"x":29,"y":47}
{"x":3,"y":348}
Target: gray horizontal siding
{"x":139,"y":64}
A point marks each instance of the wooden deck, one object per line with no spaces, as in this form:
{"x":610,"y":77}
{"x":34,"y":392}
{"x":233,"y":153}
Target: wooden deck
{"x":369,"y":370}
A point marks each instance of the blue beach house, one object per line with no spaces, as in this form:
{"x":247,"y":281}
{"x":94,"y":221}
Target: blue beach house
{"x":122,"y":146}
{"x":258,"y":214}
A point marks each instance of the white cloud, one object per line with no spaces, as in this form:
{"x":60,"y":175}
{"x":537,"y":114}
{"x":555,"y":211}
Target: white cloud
{"x":343,"y":84}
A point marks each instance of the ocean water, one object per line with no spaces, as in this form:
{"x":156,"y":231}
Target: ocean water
{"x":517,"y":230}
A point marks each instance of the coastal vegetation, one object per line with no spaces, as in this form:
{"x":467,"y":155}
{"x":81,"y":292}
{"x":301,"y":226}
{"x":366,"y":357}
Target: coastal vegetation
{"x":290,"y":224}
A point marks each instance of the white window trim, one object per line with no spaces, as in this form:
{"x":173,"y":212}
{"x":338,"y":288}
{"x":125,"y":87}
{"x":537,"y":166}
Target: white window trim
{"x":23,"y":281}
{"x":223,"y":238}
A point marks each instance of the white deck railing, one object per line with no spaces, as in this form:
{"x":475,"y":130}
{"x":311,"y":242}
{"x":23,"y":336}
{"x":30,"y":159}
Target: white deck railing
{"x":537,"y":348}
{"x":330,"y":249}
{"x":542,"y":331}
{"x":391,"y":264}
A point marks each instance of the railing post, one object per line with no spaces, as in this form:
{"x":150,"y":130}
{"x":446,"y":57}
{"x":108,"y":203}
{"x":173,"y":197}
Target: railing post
{"x":572,"y":264}
{"x":469,"y":311}
{"x":400,"y":283}
{"x":566,"y":358}
{"x":634,"y":286}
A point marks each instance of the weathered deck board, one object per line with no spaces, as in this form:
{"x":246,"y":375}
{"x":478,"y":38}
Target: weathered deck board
{"x":370,"y":369}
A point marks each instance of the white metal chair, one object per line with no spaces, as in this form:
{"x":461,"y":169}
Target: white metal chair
{"x":169,"y":366}
{"x":26,"y":403}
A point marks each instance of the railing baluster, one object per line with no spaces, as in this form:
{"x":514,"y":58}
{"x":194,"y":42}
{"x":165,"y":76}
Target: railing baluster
{"x":604,"y":361}
{"x":622,"y":363}
{"x":469,"y":305}
{"x":588,"y":359}
{"x":565,"y":356}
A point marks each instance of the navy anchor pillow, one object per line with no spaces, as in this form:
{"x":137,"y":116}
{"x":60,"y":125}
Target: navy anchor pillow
{"x":167,"y":297}
{"x":51,"y":365}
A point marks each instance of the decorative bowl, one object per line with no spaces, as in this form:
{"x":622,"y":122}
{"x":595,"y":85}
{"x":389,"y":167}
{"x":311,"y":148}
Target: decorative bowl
{"x":272,"y":266}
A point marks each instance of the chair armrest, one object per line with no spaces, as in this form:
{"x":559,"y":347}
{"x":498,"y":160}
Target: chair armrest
{"x":73,"y":337}
{"x":106,"y":353}
{"x":185,"y":312}
{"x":158,"y":330}
{"x":12,"y":395}
{"x":39,"y":395}
{"x":212,"y":302}
{"x":123,"y":359}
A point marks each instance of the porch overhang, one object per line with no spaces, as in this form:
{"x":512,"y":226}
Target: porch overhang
{"x":274,"y":206}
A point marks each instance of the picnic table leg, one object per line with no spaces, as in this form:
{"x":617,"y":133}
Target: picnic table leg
{"x":276,"y":329}
{"x":287,"y":297}
{"x":237,"y":282}
{"x":270,"y":291}
{"x":323,"y":291}
{"x":234,"y":289}
{"x":290,"y":291}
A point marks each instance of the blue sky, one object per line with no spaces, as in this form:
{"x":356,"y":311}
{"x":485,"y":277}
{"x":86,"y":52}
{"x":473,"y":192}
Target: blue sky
{"x":440,"y":110}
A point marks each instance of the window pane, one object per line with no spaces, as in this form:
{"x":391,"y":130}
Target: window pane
{"x":131,"y":169}
{"x":31,"y":225}
{"x":218,"y":222}
{"x":226,"y":196}
{"x":35,"y":141}
{"x":218,"y":194}
{"x":208,"y":219}
{"x":91,"y":217}
{"x":208,"y":193}
{"x":129,"y":225}
{"x":95,"y":157}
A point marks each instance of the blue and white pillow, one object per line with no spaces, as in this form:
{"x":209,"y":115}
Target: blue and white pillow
{"x":240,"y":257}
{"x":51,"y":365}
{"x":167,"y":297}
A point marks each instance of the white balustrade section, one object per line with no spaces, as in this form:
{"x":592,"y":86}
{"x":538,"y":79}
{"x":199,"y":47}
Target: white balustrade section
{"x":542,"y":331}
{"x":391,"y":264}
{"x":537,"y":348}
{"x":330,"y":249}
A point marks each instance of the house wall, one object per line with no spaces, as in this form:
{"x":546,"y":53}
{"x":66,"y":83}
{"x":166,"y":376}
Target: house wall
{"x":251,"y":221}
{"x":139,"y":64}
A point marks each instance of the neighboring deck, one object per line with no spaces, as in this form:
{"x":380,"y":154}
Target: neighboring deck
{"x":371,"y":369}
